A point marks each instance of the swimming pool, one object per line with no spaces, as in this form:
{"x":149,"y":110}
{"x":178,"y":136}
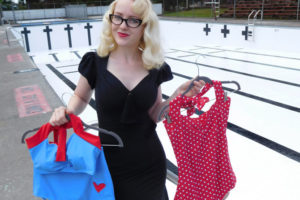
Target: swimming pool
{"x":64,"y":34}
{"x":263,"y":127}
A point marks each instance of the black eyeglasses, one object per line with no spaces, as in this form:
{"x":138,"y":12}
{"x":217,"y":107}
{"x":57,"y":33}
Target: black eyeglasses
{"x":130,"y":22}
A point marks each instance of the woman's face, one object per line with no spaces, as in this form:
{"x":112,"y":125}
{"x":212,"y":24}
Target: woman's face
{"x":124,"y":35}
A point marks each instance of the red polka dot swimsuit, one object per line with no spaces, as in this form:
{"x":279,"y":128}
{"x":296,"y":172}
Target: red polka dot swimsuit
{"x":200,"y":146}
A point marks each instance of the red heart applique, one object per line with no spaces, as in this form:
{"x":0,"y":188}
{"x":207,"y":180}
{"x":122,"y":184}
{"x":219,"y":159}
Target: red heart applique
{"x":99,"y":187}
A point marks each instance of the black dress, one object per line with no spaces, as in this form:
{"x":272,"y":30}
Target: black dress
{"x":138,"y":169}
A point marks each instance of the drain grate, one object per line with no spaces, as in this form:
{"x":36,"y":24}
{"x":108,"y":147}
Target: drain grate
{"x":26,"y":70}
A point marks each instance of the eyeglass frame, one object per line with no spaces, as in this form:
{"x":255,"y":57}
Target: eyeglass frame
{"x":126,"y":20}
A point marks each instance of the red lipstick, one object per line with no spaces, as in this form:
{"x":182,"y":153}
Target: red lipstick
{"x":122,"y":34}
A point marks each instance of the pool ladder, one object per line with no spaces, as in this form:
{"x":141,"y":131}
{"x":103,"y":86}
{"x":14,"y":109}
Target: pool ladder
{"x":215,"y":8}
{"x":252,"y":24}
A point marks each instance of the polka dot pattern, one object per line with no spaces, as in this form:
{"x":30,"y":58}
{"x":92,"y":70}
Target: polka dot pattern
{"x":200,"y":146}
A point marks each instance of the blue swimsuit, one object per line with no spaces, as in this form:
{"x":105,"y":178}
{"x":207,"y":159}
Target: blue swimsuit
{"x":75,"y":170}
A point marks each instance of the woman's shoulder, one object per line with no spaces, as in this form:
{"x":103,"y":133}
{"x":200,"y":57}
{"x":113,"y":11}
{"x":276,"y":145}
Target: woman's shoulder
{"x":92,"y":56}
{"x":163,"y":73}
{"x":92,"y":59}
{"x":91,"y":65}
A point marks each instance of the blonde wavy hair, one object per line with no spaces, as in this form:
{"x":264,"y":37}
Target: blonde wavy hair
{"x":150,"y":45}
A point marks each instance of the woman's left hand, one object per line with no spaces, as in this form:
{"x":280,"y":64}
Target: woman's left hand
{"x":194,"y":90}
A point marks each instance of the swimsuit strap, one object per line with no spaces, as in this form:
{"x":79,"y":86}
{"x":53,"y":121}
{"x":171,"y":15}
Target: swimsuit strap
{"x":60,"y":135}
{"x":197,"y":101}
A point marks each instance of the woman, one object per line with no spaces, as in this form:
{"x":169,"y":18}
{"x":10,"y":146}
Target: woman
{"x":126,"y":74}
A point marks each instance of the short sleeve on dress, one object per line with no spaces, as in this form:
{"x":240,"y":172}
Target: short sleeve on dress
{"x":164,"y":74}
{"x":87,"y":68}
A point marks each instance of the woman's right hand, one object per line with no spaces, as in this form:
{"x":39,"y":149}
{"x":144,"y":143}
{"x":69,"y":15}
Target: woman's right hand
{"x":59,"y":116}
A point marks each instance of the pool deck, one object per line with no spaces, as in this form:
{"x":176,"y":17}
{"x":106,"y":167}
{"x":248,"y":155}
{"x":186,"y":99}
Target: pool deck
{"x":16,"y":165}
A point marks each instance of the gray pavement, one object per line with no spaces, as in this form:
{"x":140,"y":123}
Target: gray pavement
{"x":16,"y":165}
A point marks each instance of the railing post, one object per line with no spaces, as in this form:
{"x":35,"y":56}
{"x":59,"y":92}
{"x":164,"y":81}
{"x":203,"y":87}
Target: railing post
{"x":1,"y":15}
{"x":234,"y":5}
{"x":262,"y":10}
{"x":13,"y":11}
{"x":298,"y":10}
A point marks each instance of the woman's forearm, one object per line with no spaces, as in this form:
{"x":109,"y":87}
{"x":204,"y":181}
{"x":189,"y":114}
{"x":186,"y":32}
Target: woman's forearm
{"x":159,"y":108}
{"x":163,"y":104}
{"x":81,"y":97}
{"x":76,"y":105}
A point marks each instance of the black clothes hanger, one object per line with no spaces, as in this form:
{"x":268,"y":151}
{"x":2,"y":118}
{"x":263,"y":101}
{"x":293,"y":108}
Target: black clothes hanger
{"x":198,"y":78}
{"x":208,"y":80}
{"x":101,"y":130}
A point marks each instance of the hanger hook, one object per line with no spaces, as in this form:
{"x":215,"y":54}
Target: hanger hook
{"x":62,"y":97}
{"x":233,"y":91}
{"x":197,"y":64}
{"x":234,"y":82}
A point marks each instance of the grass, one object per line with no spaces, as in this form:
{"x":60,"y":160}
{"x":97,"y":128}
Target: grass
{"x":199,"y":12}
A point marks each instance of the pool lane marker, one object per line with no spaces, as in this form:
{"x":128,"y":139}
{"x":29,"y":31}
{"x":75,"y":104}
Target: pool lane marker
{"x":236,"y":72}
{"x":69,"y":28}
{"x":31,"y":101}
{"x":64,"y":66}
{"x":225,"y":31}
{"x":240,"y":60}
{"x":48,"y":30}
{"x":89,"y":27}
{"x":54,"y":56}
{"x":275,"y":103}
{"x":188,"y":55}
{"x":206,"y":29}
{"x":245,"y":52}
{"x":247,"y":33}
{"x":76,"y":53}
{"x":239,"y":130}
{"x":31,"y":57}
{"x":26,"y":32}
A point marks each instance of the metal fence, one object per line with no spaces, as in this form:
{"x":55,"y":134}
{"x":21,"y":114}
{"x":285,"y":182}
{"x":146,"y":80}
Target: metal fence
{"x":269,"y":9}
{"x":78,"y":11}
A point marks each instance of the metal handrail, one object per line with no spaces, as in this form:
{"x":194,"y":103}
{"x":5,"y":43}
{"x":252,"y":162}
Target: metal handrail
{"x":254,"y":18}
{"x":214,"y":4}
{"x":250,"y":16}
{"x":298,"y":10}
{"x":262,"y":10}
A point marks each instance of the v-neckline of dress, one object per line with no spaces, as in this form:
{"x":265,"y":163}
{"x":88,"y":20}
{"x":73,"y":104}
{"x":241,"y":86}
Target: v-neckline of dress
{"x":121,"y":83}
